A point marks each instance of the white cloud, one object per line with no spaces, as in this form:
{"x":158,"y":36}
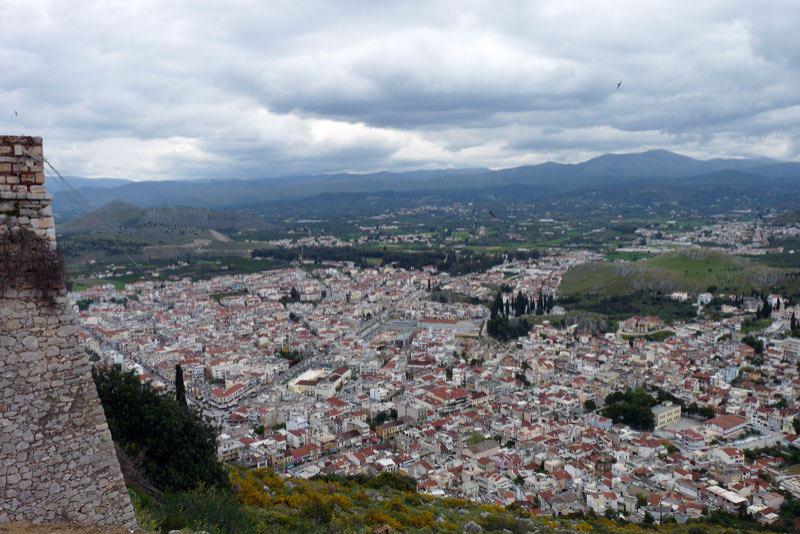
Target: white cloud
{"x":131,"y":157}
{"x":154,"y":90}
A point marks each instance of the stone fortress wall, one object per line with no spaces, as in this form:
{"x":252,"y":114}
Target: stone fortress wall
{"x":57,"y":459}
{"x":23,"y":200}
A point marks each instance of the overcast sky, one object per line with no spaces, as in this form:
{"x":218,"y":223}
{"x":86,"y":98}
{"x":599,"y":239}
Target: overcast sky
{"x":156,"y":90}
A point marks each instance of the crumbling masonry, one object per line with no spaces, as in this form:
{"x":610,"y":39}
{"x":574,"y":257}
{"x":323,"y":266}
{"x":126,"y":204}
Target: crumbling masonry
{"x":57,"y":460}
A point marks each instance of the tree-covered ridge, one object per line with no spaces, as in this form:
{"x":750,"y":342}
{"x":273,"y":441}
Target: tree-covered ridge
{"x":172,"y":445}
{"x":450,"y":261}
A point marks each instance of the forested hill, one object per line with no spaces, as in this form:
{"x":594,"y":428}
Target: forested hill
{"x":124,"y":219}
{"x":118,"y":226}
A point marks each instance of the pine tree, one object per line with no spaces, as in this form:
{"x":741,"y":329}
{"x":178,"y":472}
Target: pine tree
{"x":180,"y":388}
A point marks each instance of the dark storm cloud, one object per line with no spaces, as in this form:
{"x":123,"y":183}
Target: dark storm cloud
{"x":153,"y":90}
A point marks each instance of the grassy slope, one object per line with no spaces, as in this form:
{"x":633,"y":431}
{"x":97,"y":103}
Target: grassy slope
{"x":265,"y":503}
{"x":693,"y":271}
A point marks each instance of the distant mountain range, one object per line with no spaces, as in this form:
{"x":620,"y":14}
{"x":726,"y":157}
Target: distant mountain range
{"x":608,"y":171}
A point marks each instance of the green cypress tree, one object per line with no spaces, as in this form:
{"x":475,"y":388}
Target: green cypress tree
{"x":180,"y":388}
{"x":497,"y":305}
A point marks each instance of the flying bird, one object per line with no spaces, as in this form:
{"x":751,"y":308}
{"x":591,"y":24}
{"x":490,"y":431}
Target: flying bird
{"x":619,"y":84}
{"x":492,"y":214}
{"x":15,"y":113}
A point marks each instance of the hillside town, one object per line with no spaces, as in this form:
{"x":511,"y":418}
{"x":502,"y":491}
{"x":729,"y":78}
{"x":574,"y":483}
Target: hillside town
{"x":346,"y":369}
